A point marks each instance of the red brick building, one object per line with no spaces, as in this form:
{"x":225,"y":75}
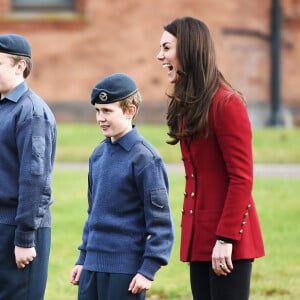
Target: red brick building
{"x":77,"y":42}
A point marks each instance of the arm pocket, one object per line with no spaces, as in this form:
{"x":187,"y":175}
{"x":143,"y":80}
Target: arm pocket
{"x":159,"y":202}
{"x":38,"y":154}
{"x":159,"y":198}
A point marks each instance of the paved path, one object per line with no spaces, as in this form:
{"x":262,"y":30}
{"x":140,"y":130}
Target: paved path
{"x":260,"y":170}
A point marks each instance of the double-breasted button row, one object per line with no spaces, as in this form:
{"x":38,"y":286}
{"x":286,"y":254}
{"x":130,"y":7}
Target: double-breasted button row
{"x":246,"y":214}
{"x":186,"y":194}
{"x":191,"y":212}
{"x":189,"y":176}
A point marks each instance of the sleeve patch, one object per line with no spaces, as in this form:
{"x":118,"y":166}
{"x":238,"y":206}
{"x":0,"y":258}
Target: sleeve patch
{"x":38,"y":155}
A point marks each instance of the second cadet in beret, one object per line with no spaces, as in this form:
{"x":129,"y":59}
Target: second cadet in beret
{"x":128,"y":202}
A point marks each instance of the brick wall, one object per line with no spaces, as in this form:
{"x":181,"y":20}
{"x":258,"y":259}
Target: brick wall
{"x":71,"y":52}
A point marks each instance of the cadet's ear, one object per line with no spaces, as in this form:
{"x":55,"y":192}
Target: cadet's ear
{"x":21,"y":66}
{"x":131,"y":111}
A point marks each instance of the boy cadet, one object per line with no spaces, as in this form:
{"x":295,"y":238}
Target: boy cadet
{"x":129,"y":231}
{"x":27,"y":150}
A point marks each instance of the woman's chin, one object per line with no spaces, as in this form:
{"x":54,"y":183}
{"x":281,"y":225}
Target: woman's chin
{"x":172,"y":78}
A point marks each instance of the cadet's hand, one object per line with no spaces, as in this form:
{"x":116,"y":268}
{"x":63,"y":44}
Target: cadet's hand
{"x":221,"y":258}
{"x":139,"y":284}
{"x":24,"y":256}
{"x":75,"y":274}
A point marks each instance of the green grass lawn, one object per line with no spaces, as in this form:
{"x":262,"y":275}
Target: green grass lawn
{"x":275,"y":277}
{"x":76,"y":142}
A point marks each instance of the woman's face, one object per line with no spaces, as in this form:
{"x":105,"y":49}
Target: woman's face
{"x":168,"y":57}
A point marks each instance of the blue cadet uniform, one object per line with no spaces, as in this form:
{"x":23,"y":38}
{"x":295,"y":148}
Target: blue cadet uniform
{"x":27,"y":150}
{"x":129,"y":227}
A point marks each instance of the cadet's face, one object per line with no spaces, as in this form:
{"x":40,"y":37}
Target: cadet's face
{"x":7,"y":74}
{"x":113,"y":122}
{"x":167,"y":55}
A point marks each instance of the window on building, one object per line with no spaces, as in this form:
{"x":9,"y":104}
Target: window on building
{"x":43,"y":5}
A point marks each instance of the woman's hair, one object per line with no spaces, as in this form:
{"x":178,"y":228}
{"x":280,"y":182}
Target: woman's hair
{"x":199,"y":79}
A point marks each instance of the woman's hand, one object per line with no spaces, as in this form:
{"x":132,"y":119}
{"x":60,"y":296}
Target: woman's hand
{"x":221,"y":258}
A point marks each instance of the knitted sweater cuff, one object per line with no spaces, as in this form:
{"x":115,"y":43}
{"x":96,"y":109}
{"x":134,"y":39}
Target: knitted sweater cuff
{"x":24,"y":239}
{"x":149,"y":268}
{"x":81,"y":258}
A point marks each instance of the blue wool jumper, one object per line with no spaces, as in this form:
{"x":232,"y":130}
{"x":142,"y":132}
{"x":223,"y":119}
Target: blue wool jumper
{"x":129,"y":228}
{"x":27,"y":151}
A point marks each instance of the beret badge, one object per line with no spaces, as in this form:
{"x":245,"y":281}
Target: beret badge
{"x":103,"y":96}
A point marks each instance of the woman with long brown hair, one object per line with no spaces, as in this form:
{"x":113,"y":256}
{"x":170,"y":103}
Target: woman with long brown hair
{"x":220,"y":231}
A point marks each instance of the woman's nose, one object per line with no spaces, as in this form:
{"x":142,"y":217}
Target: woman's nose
{"x":159,"y":55}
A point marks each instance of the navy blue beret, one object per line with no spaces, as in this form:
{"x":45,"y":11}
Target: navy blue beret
{"x":14,"y":44}
{"x":113,"y":88}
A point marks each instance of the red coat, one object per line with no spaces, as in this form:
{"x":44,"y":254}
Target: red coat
{"x":219,"y":179}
